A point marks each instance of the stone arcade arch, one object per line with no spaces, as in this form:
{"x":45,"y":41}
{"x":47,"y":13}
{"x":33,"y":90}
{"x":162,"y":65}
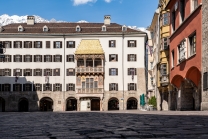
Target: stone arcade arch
{"x":46,"y":104}
{"x":2,"y":105}
{"x":132,"y":103}
{"x":23,"y":105}
{"x":71,"y":104}
{"x":113,"y":104}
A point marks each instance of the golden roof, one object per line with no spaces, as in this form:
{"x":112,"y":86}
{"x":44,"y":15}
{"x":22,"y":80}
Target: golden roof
{"x":89,"y":47}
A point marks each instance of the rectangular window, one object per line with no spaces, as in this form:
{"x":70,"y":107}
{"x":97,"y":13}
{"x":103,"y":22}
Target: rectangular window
{"x":70,"y":87}
{"x":7,"y":72}
{"x":6,"y":59}
{"x":70,"y":58}
{"x":6,"y":87}
{"x":17,"y":58}
{"x":17,"y":44}
{"x":47,"y":87}
{"x":17,"y":72}
{"x":48,"y":44}
{"x":132,"y":71}
{"x":173,"y":58}
{"x":27,"y":44}
{"x":181,"y":51}
{"x":70,"y":44}
{"x":57,"y":44}
{"x":113,"y":87}
{"x":192,"y":44}
{"x":47,"y":72}
{"x":27,"y":87}
{"x":132,"y":43}
{"x":95,"y":84}
{"x":57,"y":87}
{"x":37,"y":58}
{"x":194,"y":4}
{"x":113,"y":71}
{"x":47,"y":58}
{"x":165,"y":18}
{"x":7,"y":44}
{"x":113,"y":57}
{"x":131,"y":57}
{"x":57,"y":58}
{"x":112,"y":43}
{"x":163,"y":69}
{"x":83,"y":85}
{"x":37,"y":72}
{"x":27,"y":58}
{"x":182,"y":9}
{"x":56,"y":72}
{"x":37,"y":87}
{"x":17,"y":87}
{"x":27,"y":72}
{"x":37,"y":44}
{"x":70,"y":72}
{"x":132,"y":87}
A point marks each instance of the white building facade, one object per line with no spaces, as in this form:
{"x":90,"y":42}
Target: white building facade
{"x":71,"y":66}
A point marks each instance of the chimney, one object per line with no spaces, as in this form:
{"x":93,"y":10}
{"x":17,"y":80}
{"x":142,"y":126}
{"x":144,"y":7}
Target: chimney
{"x":107,"y":19}
{"x":30,"y":20}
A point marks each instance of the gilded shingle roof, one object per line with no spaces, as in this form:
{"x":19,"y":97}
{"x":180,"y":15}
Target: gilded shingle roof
{"x":89,"y":47}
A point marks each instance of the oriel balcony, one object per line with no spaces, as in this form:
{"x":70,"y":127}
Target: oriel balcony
{"x":89,"y":65}
{"x":164,"y":80}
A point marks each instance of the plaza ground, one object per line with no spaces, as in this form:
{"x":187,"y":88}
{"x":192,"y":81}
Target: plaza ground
{"x":111,"y":124}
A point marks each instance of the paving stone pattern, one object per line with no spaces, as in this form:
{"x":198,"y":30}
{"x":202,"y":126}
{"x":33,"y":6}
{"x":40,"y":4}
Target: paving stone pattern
{"x":95,"y":125}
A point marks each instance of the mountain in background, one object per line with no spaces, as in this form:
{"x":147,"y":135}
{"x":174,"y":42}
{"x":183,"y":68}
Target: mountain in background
{"x":6,"y":19}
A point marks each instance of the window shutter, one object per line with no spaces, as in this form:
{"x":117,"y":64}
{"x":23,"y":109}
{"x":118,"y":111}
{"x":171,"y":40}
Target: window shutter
{"x":67,"y":58}
{"x":50,"y":87}
{"x":24,"y":87}
{"x":30,"y":58}
{"x":3,"y":72}
{"x":135,"y":71}
{"x":73,"y":72}
{"x":34,"y":44}
{"x":116,"y":71}
{"x":135,"y":87}
{"x":44,"y":72}
{"x":14,"y":72}
{"x":34,"y":89}
{"x":54,"y":72}
{"x":67,"y":87}
{"x":135,"y":57}
{"x":109,"y":86}
{"x":109,"y":43}
{"x":9,"y":72}
{"x":14,"y":87}
{"x":20,"y":58}
{"x":67,"y":44}
{"x":34,"y":58}
{"x":41,"y":87}
{"x":73,"y":58}
{"x":60,"y":87}
{"x":44,"y":87}
{"x":34,"y":72}
{"x":116,"y":57}
{"x":109,"y":57}
{"x":10,"y":58}
{"x":135,"y":43}
{"x":54,"y":58}
{"x":60,"y":58}
{"x":24,"y":44}
{"x":128,"y":43}
{"x":61,"y":44}
{"x":128,"y":72}
{"x":30,"y":45}
{"x":2,"y":87}
{"x":205,"y":81}
{"x":58,"y":72}
{"x":20,"y":44}
{"x":40,"y":58}
{"x":114,"y":43}
{"x":128,"y":86}
{"x":14,"y":58}
{"x":47,"y":44}
{"x":1,"y":59}
{"x":73,"y":87}
{"x":116,"y":87}
{"x":40,"y":44}
{"x":128,"y":57}
{"x":109,"y":71}
{"x":50,"y":58}
{"x":74,"y":44}
{"x":54,"y":44}
{"x":20,"y":72}
{"x":54,"y":87}
{"x":51,"y":72}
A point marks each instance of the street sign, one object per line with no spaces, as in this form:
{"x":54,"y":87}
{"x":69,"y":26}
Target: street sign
{"x":2,"y":56}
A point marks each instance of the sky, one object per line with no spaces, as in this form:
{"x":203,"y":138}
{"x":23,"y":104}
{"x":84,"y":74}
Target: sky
{"x":125,"y":12}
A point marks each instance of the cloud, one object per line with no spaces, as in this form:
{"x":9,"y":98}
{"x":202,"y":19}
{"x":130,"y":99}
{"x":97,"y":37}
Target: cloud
{"x":79,"y":2}
{"x":108,"y":1}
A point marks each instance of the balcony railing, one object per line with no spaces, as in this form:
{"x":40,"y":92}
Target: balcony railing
{"x":90,"y":69}
{"x":89,"y":90}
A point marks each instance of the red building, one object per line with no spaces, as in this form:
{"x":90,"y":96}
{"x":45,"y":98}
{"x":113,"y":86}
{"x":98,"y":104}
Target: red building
{"x":185,"y":53}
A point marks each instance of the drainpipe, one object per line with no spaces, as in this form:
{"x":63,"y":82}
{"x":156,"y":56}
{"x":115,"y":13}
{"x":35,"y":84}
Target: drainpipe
{"x":64,"y":75}
{"x":123,"y":66}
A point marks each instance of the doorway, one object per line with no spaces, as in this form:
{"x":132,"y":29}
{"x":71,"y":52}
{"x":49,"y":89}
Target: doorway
{"x":23,"y":105}
{"x":132,"y":104}
{"x":46,"y":104}
{"x":71,"y":104}
{"x":95,"y":104}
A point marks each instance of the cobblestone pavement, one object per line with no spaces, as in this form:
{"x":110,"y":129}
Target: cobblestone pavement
{"x":120,"y":124}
